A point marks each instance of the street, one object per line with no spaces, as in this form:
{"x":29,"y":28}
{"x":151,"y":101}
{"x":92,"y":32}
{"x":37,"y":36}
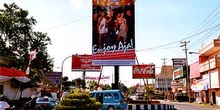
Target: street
{"x":190,"y":106}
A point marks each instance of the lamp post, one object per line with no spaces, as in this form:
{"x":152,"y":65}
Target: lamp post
{"x":62,"y":72}
{"x":208,"y":74}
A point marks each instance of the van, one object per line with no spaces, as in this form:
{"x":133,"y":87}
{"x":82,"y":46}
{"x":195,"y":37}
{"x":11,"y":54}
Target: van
{"x":110,"y":99}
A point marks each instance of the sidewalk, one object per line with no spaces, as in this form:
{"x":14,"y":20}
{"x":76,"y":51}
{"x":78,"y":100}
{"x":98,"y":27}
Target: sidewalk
{"x":195,"y":103}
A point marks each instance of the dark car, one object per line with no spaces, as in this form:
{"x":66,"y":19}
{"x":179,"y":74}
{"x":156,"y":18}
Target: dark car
{"x":47,"y":103}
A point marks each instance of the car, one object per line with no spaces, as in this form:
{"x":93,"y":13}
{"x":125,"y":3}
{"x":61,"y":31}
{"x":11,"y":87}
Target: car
{"x":110,"y":99}
{"x":50,"y":94}
{"x":46,"y":103}
{"x":4,"y":105}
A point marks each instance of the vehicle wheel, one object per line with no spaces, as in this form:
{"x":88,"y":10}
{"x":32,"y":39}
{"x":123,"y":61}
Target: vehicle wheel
{"x":110,"y":108}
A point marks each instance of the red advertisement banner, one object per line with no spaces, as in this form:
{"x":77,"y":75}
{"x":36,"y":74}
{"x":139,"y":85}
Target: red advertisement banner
{"x":83,"y":62}
{"x":143,"y":71}
{"x":113,"y":39}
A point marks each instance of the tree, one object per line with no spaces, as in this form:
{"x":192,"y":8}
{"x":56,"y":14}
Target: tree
{"x":65,"y":78}
{"x":106,"y":87}
{"x":92,"y":84}
{"x":148,"y":92}
{"x":17,"y":40}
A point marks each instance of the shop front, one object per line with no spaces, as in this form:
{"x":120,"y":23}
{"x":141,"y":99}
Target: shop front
{"x":200,"y":87}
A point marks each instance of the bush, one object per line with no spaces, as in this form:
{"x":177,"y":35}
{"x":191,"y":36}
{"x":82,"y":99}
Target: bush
{"x":78,"y":100}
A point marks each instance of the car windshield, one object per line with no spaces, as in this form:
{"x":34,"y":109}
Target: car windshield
{"x":42,"y":100}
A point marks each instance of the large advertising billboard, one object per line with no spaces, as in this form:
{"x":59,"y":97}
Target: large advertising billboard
{"x":113,"y":39}
{"x":143,"y":71}
{"x":83,"y":63}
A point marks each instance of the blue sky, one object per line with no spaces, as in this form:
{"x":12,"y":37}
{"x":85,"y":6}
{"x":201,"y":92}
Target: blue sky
{"x":157,"y":22}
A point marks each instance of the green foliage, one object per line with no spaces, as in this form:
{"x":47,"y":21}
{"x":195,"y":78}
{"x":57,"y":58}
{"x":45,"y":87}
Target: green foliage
{"x":78,"y":99}
{"x":18,"y":39}
{"x":106,"y":87}
{"x":148,"y":92}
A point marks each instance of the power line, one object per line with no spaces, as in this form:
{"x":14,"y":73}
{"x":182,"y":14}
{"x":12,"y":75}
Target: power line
{"x":179,"y":40}
{"x":66,"y":23}
{"x":200,"y":26}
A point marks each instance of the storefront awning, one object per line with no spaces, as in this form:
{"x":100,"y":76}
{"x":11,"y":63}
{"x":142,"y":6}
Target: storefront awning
{"x":7,"y":74}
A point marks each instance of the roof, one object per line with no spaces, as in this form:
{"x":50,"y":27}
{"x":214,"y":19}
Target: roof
{"x":166,"y":71}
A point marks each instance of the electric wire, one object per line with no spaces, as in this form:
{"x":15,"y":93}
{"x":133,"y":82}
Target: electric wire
{"x":61,"y":25}
{"x":179,"y":40}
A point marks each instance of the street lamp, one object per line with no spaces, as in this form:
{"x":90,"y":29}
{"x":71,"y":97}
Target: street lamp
{"x":209,"y":75}
{"x":62,"y":72}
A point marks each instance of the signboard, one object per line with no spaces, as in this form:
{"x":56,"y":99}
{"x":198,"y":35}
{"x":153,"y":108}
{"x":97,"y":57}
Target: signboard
{"x":177,"y":84}
{"x":180,"y":72}
{"x":200,"y":85}
{"x":113,"y":39}
{"x":178,"y":62}
{"x":83,"y":62}
{"x":54,"y":77}
{"x":96,"y":78}
{"x":143,"y":71}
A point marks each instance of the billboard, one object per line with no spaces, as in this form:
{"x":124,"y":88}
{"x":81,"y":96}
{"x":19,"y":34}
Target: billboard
{"x":55,"y":77}
{"x":113,"y":33}
{"x":143,"y":71}
{"x":178,"y":62}
{"x":83,"y":62}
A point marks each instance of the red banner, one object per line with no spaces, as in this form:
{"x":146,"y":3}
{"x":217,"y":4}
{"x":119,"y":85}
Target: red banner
{"x":83,"y":62}
{"x":143,"y":71}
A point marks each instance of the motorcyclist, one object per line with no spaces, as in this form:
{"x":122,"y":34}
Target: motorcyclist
{"x":30,"y":105}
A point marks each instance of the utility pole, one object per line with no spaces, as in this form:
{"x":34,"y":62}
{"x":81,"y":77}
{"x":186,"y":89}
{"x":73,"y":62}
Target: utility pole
{"x":187,"y":71}
{"x":165,"y":78}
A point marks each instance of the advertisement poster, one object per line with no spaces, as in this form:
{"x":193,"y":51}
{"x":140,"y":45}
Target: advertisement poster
{"x":143,"y":71}
{"x":83,"y":62}
{"x":178,"y":62}
{"x":54,"y":77}
{"x":113,"y":33}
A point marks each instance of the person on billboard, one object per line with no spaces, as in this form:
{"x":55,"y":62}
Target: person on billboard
{"x":95,"y":28}
{"x":102,"y":27}
{"x":130,"y":23}
{"x":122,"y":28}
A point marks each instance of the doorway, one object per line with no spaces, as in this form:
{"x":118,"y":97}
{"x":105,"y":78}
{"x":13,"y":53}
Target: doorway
{"x":213,"y":98}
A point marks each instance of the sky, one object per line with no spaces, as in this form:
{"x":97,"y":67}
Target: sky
{"x":160,"y":26}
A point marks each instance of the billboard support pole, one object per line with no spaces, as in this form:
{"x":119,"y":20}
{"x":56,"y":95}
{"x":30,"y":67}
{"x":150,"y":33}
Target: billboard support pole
{"x":116,"y":77}
{"x":84,"y":78}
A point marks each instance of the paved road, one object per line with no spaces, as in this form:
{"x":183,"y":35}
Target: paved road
{"x":190,"y":106}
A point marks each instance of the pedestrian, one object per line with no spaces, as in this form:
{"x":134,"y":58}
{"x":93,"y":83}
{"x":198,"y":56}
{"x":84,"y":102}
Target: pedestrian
{"x":66,"y":91}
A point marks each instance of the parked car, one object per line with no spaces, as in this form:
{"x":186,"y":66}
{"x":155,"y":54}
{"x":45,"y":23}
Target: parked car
{"x":110,"y":99}
{"x":47,"y":103}
{"x":50,"y":94}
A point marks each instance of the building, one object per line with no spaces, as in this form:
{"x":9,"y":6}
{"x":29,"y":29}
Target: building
{"x":196,"y":80}
{"x":209,"y":68}
{"x":163,"y":80}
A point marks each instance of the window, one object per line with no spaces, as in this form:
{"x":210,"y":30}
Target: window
{"x":107,"y":95}
{"x":116,"y":96}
